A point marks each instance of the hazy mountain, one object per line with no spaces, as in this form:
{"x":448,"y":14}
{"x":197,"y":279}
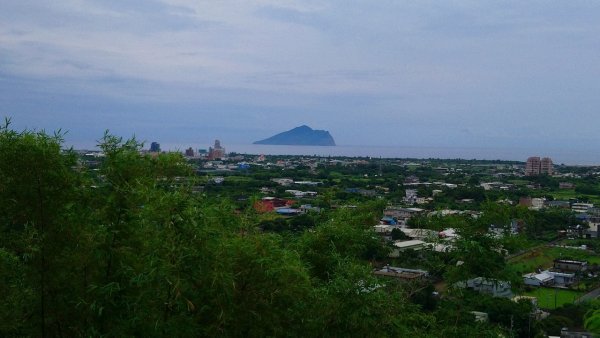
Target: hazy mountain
{"x":300,"y":136}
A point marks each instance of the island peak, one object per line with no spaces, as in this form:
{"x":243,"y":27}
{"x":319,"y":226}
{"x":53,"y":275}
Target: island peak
{"x":300,"y":136}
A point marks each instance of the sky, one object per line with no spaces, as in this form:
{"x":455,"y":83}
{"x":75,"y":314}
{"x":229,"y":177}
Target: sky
{"x":396,"y":73}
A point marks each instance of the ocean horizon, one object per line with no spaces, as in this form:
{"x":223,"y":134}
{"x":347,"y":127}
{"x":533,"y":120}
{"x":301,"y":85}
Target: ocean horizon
{"x":559,"y":156}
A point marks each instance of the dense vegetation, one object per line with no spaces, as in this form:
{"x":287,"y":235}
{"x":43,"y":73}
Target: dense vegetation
{"x":130,"y":248}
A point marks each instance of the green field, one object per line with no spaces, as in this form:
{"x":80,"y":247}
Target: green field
{"x":553,"y":298}
{"x":544,"y":257}
{"x":565,"y":194}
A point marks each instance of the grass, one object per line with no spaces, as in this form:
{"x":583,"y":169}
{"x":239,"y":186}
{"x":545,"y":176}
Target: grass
{"x":570,"y":193}
{"x":544,"y":257}
{"x":552,"y":298}
{"x":564,"y":194}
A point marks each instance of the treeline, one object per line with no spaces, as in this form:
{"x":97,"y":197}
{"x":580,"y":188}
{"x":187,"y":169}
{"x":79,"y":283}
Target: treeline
{"x":129,"y":250}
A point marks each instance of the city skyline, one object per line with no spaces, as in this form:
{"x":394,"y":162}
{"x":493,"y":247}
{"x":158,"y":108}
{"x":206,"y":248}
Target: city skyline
{"x":398,"y":74}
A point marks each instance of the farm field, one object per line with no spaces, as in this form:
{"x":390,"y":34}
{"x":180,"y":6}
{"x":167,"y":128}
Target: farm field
{"x":550,"y":299}
{"x":543,"y":258}
{"x":566,"y":194}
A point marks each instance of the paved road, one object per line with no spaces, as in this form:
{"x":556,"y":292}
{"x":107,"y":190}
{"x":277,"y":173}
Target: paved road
{"x":588,"y":296}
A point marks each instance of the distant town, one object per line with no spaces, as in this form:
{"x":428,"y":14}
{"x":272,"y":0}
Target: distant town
{"x":511,"y":247}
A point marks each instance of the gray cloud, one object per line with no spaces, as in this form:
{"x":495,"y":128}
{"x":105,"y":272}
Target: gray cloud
{"x":414,"y":73}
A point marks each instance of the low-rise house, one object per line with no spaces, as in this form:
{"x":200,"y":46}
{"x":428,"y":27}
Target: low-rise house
{"x":419,"y":233}
{"x":525,"y":201}
{"x":594,"y":213}
{"x":512,"y":229}
{"x":570,"y":265}
{"x":493,"y":287}
{"x":388,"y":220}
{"x":537,"y":203}
{"x":558,"y":204}
{"x":593,"y":222}
{"x":384,"y":228}
{"x":538,"y":279}
{"x":410,"y":196}
{"x":505,"y":201}
{"x":443,"y":212}
{"x":440,"y":247}
{"x":288,"y":211}
{"x":266,"y":190}
{"x":309,"y":208}
{"x":268,"y":204}
{"x":566,"y":185}
{"x":402,"y":273}
{"x":283,"y":181}
{"x":563,"y":278}
{"x":400,"y":246}
{"x":496,"y":185}
{"x":578,"y":230}
{"x":481,"y":317}
{"x":423,"y":200}
{"x":311,"y":183}
{"x":449,"y":234}
{"x":581,"y":207}
{"x":592,"y":230}
{"x":298,"y":193}
{"x":566,"y":333}
{"x":401,"y":213}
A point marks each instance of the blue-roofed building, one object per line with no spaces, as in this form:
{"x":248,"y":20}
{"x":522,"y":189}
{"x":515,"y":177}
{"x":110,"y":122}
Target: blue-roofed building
{"x":288,"y":211}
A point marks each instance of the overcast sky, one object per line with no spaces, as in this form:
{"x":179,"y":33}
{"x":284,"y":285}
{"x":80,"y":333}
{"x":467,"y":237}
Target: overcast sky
{"x":403,"y":73}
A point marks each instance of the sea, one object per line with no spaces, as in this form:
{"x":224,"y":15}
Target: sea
{"x":559,"y":156}
{"x":578,"y":156}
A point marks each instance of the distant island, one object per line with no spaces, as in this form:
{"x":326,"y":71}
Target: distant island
{"x":300,"y":136}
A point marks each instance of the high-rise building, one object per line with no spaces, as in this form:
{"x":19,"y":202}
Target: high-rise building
{"x":189,"y":152}
{"x":536,"y":166}
{"x":216,"y":152}
{"x":155,"y":147}
{"x":546,"y":166}
{"x":532,"y":167}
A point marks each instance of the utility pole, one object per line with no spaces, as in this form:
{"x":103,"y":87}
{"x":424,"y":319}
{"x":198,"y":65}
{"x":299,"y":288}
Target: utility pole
{"x":511,"y":325}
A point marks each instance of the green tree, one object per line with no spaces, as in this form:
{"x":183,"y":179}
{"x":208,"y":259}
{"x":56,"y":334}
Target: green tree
{"x":398,"y":234}
{"x":338,"y":239}
{"x":38,"y":190}
{"x":592,"y":318}
{"x":477,"y":255}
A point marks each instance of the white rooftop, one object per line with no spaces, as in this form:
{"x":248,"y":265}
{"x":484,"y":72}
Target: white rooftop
{"x":408,"y":244}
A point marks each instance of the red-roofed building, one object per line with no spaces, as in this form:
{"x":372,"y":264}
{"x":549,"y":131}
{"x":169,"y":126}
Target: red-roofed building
{"x":269,"y":204}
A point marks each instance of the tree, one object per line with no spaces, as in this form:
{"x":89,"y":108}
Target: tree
{"x":397,"y":234}
{"x":477,"y":255}
{"x":340,"y":238}
{"x":592,"y":318}
{"x":355,"y":304}
{"x":38,"y":189}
